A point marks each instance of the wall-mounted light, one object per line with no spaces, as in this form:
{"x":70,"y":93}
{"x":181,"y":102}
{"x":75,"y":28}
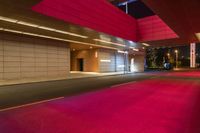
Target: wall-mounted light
{"x":105,"y":60}
{"x":39,"y":26}
{"x":96,"y":54}
{"x":123,"y":52}
{"x":103,"y":41}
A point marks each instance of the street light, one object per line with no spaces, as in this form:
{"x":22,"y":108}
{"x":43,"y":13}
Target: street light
{"x":176,"y":52}
{"x":168,"y":55}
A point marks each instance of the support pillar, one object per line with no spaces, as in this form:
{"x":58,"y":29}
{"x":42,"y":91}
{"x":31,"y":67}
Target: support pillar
{"x":192,"y":55}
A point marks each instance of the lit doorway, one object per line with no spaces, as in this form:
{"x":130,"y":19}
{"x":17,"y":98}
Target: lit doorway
{"x":132,"y":65}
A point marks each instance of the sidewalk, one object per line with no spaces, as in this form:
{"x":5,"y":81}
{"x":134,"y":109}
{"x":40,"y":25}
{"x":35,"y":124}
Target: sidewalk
{"x":72,"y":75}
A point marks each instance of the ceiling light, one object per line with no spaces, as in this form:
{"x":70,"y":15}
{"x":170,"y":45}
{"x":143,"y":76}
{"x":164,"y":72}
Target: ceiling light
{"x":55,"y":38}
{"x":46,"y":28}
{"x":40,"y":27}
{"x":8,"y":19}
{"x":103,"y":41}
{"x":135,"y":49}
{"x":198,"y":36}
{"x":27,"y":24}
{"x":145,"y":44}
{"x":14,"y":31}
{"x":123,"y":52}
{"x":105,"y":60}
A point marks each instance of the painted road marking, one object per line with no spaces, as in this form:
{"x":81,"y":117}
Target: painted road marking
{"x":30,"y":104}
{"x":123,"y":84}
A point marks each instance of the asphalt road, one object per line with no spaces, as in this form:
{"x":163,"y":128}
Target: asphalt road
{"x":15,"y":95}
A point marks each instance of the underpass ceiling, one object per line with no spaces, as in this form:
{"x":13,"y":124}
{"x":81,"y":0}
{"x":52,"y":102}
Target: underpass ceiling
{"x":21,"y":10}
{"x":181,"y":16}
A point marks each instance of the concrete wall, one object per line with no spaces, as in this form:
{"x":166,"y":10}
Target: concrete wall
{"x":116,"y":59}
{"x":104,"y":56}
{"x":119,"y":62}
{"x":89,"y":57}
{"x":98,"y":60}
{"x":28,"y":57}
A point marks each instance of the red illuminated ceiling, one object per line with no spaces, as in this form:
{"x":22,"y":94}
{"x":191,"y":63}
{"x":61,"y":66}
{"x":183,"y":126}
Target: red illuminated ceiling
{"x":181,"y":15}
{"x":153,"y":28}
{"x":102,"y":16}
{"x":99,"y":15}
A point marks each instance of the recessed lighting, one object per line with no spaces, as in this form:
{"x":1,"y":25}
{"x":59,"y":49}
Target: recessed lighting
{"x":55,"y":38}
{"x":40,"y":27}
{"x":103,"y":41}
{"x":123,"y":52}
{"x":145,"y":44}
{"x":105,"y":60}
{"x":198,"y":36}
{"x":134,"y":49}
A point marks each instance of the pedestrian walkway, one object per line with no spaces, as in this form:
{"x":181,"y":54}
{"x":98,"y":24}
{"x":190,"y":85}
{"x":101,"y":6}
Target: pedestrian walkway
{"x":72,"y":75}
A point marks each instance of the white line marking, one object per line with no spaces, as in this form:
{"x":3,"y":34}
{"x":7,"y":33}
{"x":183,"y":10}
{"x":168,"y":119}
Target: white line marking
{"x":29,"y":104}
{"x":123,"y":84}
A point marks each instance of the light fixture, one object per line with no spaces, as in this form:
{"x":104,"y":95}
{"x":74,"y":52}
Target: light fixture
{"x":91,"y":47}
{"x":54,"y":38}
{"x":39,"y":26}
{"x":26,"y":24}
{"x":105,"y":60}
{"x":96,"y":54}
{"x":103,"y":41}
{"x":123,"y":52}
{"x":198,"y":36}
{"x":14,"y":31}
{"x":134,"y":49}
{"x":8,"y":19}
{"x":120,"y":66}
{"x":145,"y":44}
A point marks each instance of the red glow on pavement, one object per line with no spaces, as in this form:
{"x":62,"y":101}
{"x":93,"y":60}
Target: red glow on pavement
{"x":192,"y":74}
{"x":150,"y":106}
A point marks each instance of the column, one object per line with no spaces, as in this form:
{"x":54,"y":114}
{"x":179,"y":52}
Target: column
{"x":192,"y":55}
